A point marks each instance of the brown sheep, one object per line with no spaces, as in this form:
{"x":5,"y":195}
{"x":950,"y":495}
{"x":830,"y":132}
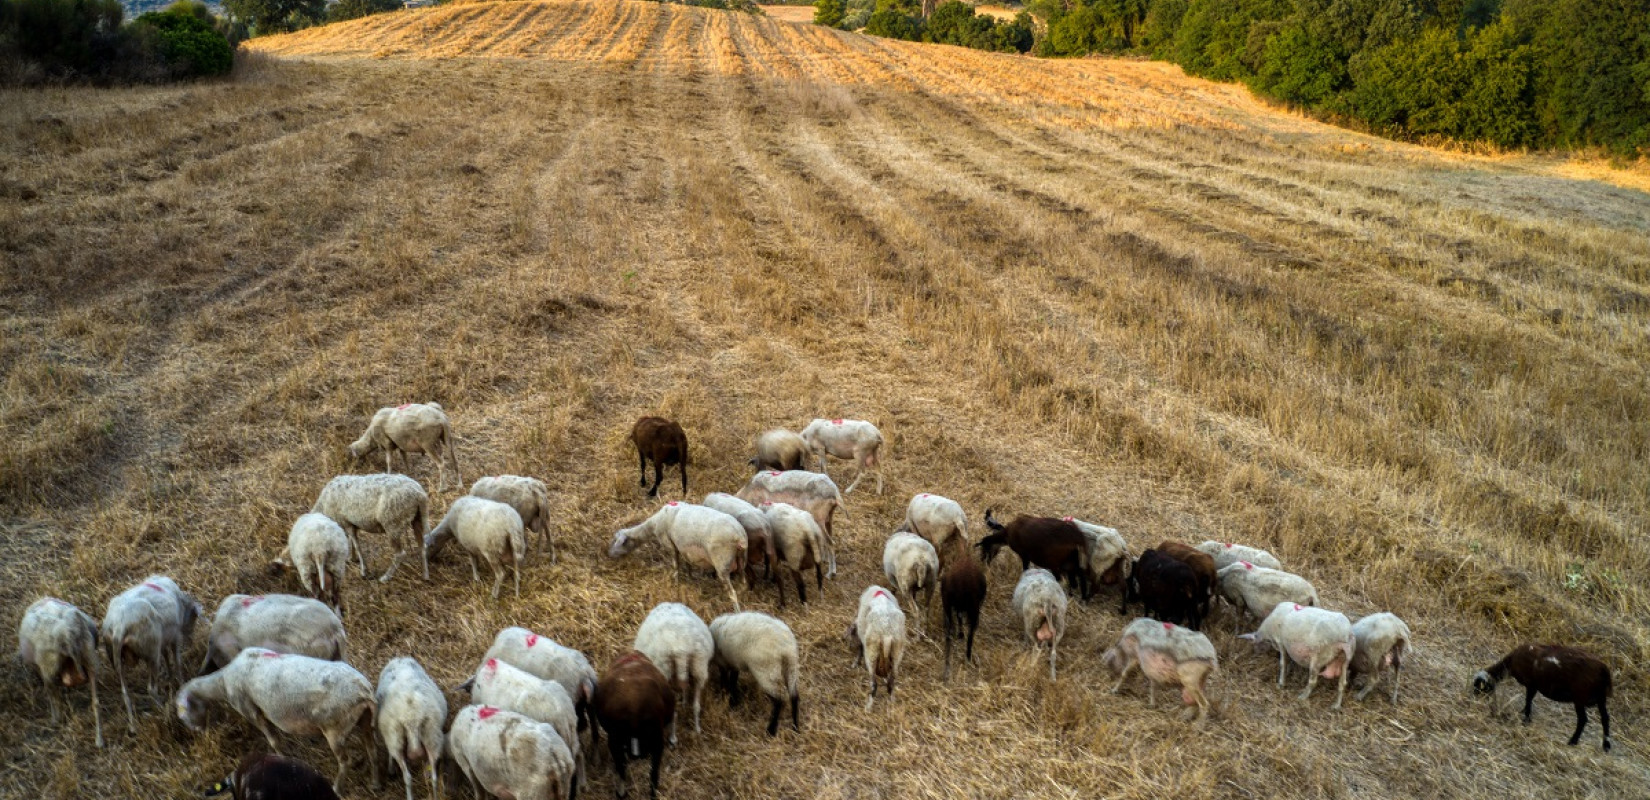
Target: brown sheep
{"x":635,"y":705}
{"x":1565,"y":674}
{"x":1054,"y":544}
{"x":962,"y":592}
{"x":1203,"y":566}
{"x":665,"y":443}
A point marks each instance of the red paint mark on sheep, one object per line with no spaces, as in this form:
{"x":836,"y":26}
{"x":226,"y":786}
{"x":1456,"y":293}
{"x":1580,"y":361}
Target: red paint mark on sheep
{"x":1247,"y":565}
{"x":247,"y":602}
{"x":532,"y":639}
{"x":492,"y":665}
{"x":403,"y":407}
{"x":1228,"y":545}
{"x":773,"y":474}
{"x":1168,"y":626}
{"x":836,"y":422}
{"x":1297,"y":606}
{"x":270,"y":655}
{"x":486,"y":711}
{"x":154,"y":586}
{"x":879,"y":593}
{"x":1068,"y":519}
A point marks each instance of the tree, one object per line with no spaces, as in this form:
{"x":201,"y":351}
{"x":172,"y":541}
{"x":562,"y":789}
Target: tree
{"x":354,"y":9}
{"x":187,"y":42}
{"x":830,"y":13}
{"x":1297,"y":68}
{"x":276,"y":16}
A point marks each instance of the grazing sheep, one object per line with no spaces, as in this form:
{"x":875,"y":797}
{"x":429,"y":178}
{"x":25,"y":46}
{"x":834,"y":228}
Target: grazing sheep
{"x":853,"y":439}
{"x":677,"y":641}
{"x":383,"y":503}
{"x":1041,"y":605}
{"x":510,"y":755}
{"x":1382,"y":640}
{"x":703,"y":537}
{"x":799,"y":544}
{"x":780,"y":449}
{"x":1564,"y":674}
{"x":665,"y":443}
{"x":407,"y":429}
{"x":962,"y":593}
{"x":60,"y":642}
{"x":634,"y":704}
{"x":542,"y":656}
{"x":1226,"y":554}
{"x":297,"y":695}
{"x":877,"y":638}
{"x":812,"y":492}
{"x":150,"y":622}
{"x":766,"y":648}
{"x":281,"y":622}
{"x":486,"y":529}
{"x":1203,"y":567}
{"x":941,"y":521}
{"x":503,"y":686}
{"x":1053,"y":544}
{"x":1166,"y":586}
{"x":1256,"y":590}
{"x":1315,"y":638}
{"x":317,"y":547}
{"x":411,"y":713}
{"x":265,"y":776}
{"x":911,"y":564}
{"x":1166,"y":654}
{"x":1108,"y":554}
{"x":758,"y":538}
{"x":528,"y":496}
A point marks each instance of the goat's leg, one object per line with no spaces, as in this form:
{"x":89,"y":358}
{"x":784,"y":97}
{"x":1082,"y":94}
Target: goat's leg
{"x":1604,"y":719}
{"x":642,"y":457}
{"x":658,"y":478}
{"x":1529,"y":703}
{"x":1581,"y":724}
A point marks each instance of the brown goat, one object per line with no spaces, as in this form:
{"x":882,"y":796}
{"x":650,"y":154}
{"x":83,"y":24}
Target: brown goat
{"x":274,"y":777}
{"x":635,"y":705}
{"x":1565,"y":674}
{"x":1203,"y":566}
{"x":962,"y":592}
{"x":1054,"y":544}
{"x":665,"y":443}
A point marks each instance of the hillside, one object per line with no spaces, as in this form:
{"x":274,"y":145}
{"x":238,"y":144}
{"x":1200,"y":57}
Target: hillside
{"x":1087,"y":287}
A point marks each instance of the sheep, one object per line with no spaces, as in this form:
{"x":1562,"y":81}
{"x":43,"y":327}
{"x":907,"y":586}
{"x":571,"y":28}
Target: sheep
{"x":911,"y":564}
{"x":634,"y":704}
{"x":528,"y":496}
{"x":1315,"y":638}
{"x":504,"y":686}
{"x":294,"y":694}
{"x":941,"y":521}
{"x":1166,"y":586}
{"x":1564,"y":674}
{"x":543,"y":657}
{"x":317,"y":547}
{"x":877,"y":638}
{"x":510,"y":755}
{"x":703,"y":537}
{"x":1256,"y":590}
{"x":382,"y":503}
{"x":1041,"y":605}
{"x":60,"y":642}
{"x":1053,"y":544}
{"x":281,"y":622}
{"x":766,"y":648}
{"x":1108,"y":553}
{"x":799,"y":544}
{"x":1203,"y":567}
{"x":1168,"y":654}
{"x":411,"y":428}
{"x":759,"y":540}
{"x":812,"y":492}
{"x":853,"y":439}
{"x":665,"y":443}
{"x":266,"y":776}
{"x":780,"y":449}
{"x":1382,"y":640}
{"x":678,"y":642}
{"x":486,"y":529}
{"x":411,"y":713}
{"x":1226,"y":554}
{"x":150,"y":622}
{"x":962,"y":592}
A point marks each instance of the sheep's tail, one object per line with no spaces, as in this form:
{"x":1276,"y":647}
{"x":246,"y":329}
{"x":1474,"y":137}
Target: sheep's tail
{"x":885,"y":656}
{"x":789,"y":672}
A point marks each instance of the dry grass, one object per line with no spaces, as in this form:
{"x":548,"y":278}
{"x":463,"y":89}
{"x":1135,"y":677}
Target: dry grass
{"x":1092,"y":287}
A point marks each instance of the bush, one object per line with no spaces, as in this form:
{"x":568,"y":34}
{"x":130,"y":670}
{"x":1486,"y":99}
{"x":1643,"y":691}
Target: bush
{"x":64,"y":38}
{"x":355,"y":9}
{"x":1299,"y":69}
{"x":188,"y":44}
{"x":830,"y":13}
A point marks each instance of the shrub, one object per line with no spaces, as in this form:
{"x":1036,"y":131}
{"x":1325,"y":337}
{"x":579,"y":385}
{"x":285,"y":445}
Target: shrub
{"x":355,"y":9}
{"x":830,"y":13}
{"x":188,"y":44}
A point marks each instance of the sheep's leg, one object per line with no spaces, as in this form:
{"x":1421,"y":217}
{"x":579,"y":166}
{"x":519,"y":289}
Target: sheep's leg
{"x":475,"y":569}
{"x":516,"y":570}
{"x":859,"y":473}
{"x":406,"y":774}
{"x":658,"y":756}
{"x":949,"y":626}
{"x":869,"y":667}
{"x":1604,"y":719}
{"x":801,"y":586}
{"x":355,"y":544}
{"x":120,"y":674}
{"x":642,"y":457}
{"x":400,"y":556}
{"x":658,"y":478}
{"x":773,"y":718}
{"x":684,"y":474}
{"x":698,"y":678}
{"x":1340,"y":688}
{"x":498,"y":577}
{"x":1311,"y":678}
{"x":54,"y":698}
{"x":1127,"y":668}
{"x":97,"y":715}
{"x":727,"y":582}
{"x":1395,"y":670}
{"x":1283,"y":665}
{"x":1581,"y":724}
{"x":1053,"y":653}
{"x":1529,"y":703}
{"x":620,"y":753}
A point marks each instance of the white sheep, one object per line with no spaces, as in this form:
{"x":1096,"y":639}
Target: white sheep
{"x":411,"y":713}
{"x":877,"y":638}
{"x":381,"y":503}
{"x":486,"y":529}
{"x":912,"y":564}
{"x":281,"y":622}
{"x":528,"y":496}
{"x":758,"y":538}
{"x":853,"y":439}
{"x":60,"y":642}
{"x":510,"y":754}
{"x":1226,"y":554}
{"x":1041,"y":605}
{"x":407,"y":429}
{"x":1168,"y":654}
{"x":799,"y":544}
{"x":812,"y":492}
{"x":780,"y":449}
{"x":150,"y":622}
{"x":1255,"y":590}
{"x":1108,"y":552}
{"x":1315,"y":638}
{"x":766,"y":648}
{"x":544,"y":657}
{"x":940,"y":520}
{"x":1381,"y":641}
{"x":297,"y":695}
{"x":504,"y":686}
{"x":678,"y":642}
{"x":703,"y":537}
{"x":317,"y":547}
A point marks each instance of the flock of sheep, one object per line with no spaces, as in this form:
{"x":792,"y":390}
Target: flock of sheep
{"x":279,"y":661}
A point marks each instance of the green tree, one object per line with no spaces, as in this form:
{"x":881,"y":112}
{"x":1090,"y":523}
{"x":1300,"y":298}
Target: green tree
{"x":1297,"y":68}
{"x":896,"y":19}
{"x":187,"y":42}
{"x":830,"y":13}
{"x":276,"y":16}
{"x":354,"y":9}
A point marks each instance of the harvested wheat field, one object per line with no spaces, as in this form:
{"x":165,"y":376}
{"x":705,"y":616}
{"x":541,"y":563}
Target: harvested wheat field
{"x":1091,"y":287}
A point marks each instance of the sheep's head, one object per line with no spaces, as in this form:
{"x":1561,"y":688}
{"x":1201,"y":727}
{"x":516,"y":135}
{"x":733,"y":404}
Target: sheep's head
{"x":1113,"y":659}
{"x":623,"y":544}
{"x":191,"y":711}
{"x":361,"y":448}
{"x":1483,"y":683}
{"x":1255,"y":639}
